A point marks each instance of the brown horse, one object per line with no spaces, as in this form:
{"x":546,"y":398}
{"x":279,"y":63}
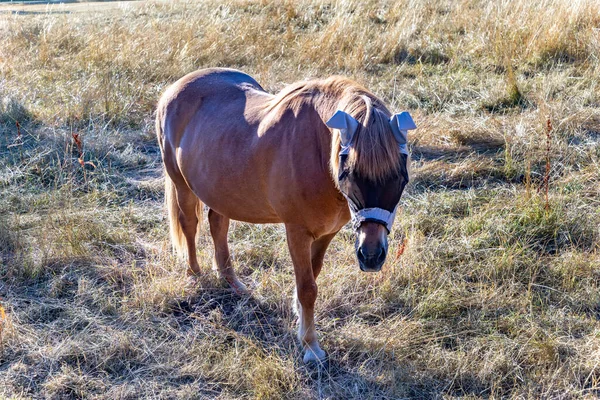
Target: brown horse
{"x":311,"y":157}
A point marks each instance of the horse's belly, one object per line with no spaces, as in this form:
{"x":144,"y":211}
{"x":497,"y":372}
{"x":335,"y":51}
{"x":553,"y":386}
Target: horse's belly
{"x":238,"y":199}
{"x":244,"y":213}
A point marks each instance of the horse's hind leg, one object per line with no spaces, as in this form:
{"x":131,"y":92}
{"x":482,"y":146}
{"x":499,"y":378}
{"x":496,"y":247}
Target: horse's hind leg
{"x":188,"y":219}
{"x":219,"y":226}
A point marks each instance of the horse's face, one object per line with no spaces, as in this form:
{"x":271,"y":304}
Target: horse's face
{"x":373,"y":196}
{"x":373,"y":206}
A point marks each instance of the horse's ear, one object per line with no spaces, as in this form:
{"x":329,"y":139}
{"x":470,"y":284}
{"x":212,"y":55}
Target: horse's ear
{"x":401,"y":123}
{"x":346,"y":124}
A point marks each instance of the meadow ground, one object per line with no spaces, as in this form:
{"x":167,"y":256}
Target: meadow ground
{"x":491,"y":289}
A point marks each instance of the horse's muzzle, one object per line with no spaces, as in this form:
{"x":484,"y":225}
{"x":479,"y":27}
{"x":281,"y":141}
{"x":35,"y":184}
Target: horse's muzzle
{"x":371,"y":262}
{"x":371,"y":246}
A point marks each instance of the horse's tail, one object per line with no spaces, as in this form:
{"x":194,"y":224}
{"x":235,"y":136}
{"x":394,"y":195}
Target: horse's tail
{"x":177,"y":236}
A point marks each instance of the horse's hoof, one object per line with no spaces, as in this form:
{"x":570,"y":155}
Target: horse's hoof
{"x":315,"y":367}
{"x":238,"y":287}
{"x":192,"y":281}
{"x":318,"y":359}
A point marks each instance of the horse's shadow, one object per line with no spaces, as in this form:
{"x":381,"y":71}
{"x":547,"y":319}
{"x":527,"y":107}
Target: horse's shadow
{"x":435,"y":153}
{"x":272,"y":328}
{"x":246,"y":316}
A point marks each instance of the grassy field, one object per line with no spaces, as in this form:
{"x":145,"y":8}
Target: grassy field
{"x":491,"y":289}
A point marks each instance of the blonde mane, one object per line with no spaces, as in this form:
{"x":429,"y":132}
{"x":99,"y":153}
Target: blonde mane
{"x":374,"y":153}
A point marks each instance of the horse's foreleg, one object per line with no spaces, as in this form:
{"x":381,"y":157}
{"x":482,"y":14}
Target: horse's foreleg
{"x":219,"y":226}
{"x":299,"y":243}
{"x":317,"y":252}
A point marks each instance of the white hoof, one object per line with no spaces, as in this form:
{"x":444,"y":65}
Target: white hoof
{"x":314,"y":355}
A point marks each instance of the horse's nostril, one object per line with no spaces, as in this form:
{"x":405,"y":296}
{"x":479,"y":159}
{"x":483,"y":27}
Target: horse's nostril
{"x":381,"y":256}
{"x":361,"y":255}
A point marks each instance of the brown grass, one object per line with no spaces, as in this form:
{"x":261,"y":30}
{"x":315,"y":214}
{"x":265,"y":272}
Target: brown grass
{"x":494,"y":293}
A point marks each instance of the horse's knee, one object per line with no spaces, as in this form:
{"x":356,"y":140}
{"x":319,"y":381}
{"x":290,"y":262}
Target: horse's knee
{"x":307,"y":293}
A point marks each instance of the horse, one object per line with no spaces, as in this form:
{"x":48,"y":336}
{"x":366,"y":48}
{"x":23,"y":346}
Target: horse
{"x":316,"y":155}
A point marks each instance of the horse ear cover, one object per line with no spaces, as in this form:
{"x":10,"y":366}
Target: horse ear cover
{"x":401,"y":124}
{"x":346,"y":124}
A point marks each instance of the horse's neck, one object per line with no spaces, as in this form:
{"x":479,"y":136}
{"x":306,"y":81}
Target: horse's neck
{"x":325,"y":107}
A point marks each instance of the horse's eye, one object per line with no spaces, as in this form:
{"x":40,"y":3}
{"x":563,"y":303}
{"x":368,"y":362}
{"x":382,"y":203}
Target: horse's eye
{"x":343,"y":175}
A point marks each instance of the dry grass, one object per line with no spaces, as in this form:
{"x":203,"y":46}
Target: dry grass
{"x":494,"y":296}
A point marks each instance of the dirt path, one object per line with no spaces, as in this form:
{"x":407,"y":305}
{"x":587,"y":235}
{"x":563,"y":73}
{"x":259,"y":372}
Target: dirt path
{"x":44,"y":7}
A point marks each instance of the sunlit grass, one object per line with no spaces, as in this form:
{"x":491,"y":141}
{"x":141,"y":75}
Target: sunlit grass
{"x":489,"y":291}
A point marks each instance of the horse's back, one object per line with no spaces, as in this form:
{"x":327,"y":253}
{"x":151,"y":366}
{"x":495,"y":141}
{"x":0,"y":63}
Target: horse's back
{"x":205,"y":98}
{"x":184,"y":97}
{"x":205,"y":82}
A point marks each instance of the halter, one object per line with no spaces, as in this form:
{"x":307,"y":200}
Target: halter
{"x":378,"y":215}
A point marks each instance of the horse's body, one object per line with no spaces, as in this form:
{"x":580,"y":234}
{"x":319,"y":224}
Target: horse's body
{"x":255,"y":157}
{"x":224,"y":117}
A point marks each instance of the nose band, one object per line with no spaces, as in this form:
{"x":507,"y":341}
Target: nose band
{"x":379,"y":215}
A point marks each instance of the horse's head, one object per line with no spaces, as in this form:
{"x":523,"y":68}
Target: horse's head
{"x":371,"y":168}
